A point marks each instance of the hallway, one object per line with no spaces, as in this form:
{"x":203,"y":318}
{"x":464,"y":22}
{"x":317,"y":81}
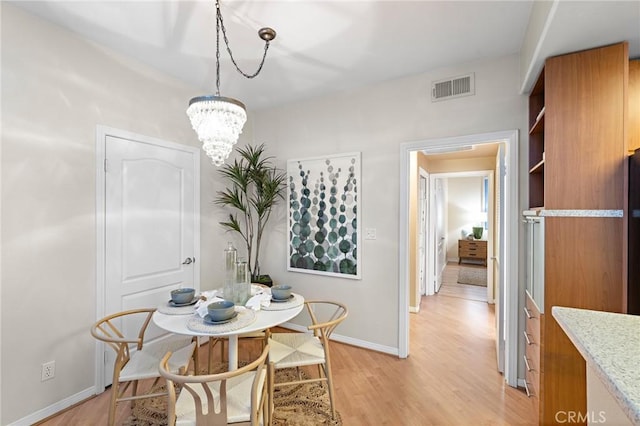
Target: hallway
{"x":451,"y":288}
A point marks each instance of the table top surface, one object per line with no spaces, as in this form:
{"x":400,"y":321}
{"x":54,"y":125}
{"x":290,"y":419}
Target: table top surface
{"x":610,"y":343}
{"x":264,"y":319}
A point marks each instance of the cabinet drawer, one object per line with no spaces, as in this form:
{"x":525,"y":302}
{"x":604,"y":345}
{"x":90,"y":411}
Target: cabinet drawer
{"x":472,"y":253}
{"x":468,"y":248}
{"x":472,"y":244}
{"x":532,"y":319}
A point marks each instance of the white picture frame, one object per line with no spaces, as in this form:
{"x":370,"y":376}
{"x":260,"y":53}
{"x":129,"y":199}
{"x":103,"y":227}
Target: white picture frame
{"x":323,"y":219}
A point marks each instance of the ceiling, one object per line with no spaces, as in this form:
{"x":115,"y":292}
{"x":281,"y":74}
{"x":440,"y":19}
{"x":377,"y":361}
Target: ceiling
{"x":327,"y":46}
{"x":321,"y":46}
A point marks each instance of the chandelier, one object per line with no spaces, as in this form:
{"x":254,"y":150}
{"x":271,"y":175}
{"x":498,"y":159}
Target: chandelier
{"x":218,"y":120}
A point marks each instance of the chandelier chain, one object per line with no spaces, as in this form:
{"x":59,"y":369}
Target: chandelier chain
{"x":217,"y":49}
{"x":220,"y":24}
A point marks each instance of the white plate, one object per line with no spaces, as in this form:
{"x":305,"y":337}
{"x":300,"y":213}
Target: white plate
{"x":208,"y":320}
{"x":178,"y":305}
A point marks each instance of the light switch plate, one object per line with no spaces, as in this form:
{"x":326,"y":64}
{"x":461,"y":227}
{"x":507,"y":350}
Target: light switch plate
{"x":370,"y":234}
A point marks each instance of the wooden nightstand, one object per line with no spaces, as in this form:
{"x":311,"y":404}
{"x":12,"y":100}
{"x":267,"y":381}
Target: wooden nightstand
{"x":472,"y":250}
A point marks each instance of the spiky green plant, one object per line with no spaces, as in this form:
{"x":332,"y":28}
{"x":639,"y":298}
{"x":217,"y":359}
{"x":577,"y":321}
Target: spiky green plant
{"x":255,"y":187}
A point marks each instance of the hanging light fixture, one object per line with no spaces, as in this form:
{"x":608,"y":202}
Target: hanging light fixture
{"x":218,"y":120}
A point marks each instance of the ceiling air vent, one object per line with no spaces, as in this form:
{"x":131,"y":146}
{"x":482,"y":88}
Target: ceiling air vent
{"x":455,"y":87}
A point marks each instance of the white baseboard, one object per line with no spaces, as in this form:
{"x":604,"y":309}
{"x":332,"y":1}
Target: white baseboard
{"x":348,"y":340}
{"x":54,"y":408}
{"x":414,"y":309}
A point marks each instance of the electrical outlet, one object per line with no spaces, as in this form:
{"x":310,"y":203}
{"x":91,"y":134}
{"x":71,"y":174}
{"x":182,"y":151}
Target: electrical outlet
{"x":370,"y":234}
{"x":48,"y":370}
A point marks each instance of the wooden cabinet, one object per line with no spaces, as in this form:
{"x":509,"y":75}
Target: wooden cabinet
{"x":577,"y":149}
{"x":475,"y":250}
{"x":634,"y":105}
{"x":532,"y":360}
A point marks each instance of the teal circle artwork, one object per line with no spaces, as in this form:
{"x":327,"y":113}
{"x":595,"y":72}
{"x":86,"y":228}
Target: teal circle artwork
{"x":348,"y":267}
{"x":319,"y":266}
{"x":323,"y":215}
{"x":333,"y":252}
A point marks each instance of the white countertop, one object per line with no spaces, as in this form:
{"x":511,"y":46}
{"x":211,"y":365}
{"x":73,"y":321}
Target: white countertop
{"x":610,"y":343}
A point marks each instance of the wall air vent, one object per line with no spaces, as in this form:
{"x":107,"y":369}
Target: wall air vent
{"x":455,"y":87}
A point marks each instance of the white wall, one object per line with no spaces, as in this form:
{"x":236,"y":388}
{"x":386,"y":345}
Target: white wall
{"x":376,"y":120}
{"x":56,"y":88}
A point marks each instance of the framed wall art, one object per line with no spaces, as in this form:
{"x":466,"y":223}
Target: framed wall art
{"x":323,"y":220}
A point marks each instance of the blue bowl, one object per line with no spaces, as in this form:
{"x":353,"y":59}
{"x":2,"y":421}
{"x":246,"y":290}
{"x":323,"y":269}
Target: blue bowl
{"x":281,"y":292}
{"x":182,"y":295}
{"x":220,"y":311}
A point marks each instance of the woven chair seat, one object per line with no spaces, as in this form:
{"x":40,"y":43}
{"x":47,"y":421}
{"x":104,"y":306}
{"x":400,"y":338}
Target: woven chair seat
{"x":295,"y":350}
{"x":144,"y":363}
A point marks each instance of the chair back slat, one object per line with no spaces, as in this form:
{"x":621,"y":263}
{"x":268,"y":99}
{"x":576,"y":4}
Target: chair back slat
{"x":205,"y":411}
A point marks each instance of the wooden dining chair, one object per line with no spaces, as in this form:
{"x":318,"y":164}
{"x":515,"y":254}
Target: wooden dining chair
{"x":223,"y":341}
{"x":304,"y":349}
{"x":232,"y":397}
{"x":136,"y":359}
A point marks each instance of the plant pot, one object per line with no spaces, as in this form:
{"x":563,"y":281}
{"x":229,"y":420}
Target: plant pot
{"x":264,"y":280}
{"x":477,"y":232}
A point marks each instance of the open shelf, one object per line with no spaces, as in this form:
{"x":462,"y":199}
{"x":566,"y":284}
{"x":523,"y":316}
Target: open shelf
{"x":538,"y":168}
{"x":536,"y":143}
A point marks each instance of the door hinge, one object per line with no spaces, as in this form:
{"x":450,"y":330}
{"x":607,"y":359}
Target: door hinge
{"x":105,"y":165}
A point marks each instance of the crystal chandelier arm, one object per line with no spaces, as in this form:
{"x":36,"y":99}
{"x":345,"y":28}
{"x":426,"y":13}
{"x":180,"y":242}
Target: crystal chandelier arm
{"x":266,"y":34}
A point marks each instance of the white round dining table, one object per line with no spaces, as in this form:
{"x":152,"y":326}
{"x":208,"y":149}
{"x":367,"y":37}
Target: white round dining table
{"x":264,"y":319}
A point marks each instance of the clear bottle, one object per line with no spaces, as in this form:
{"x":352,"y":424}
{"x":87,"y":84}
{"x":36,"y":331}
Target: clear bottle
{"x":243,"y":283}
{"x":230,"y":262}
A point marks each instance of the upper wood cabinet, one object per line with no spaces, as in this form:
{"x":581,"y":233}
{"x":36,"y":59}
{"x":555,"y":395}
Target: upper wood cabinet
{"x":577,"y":130}
{"x":634,"y":105}
{"x":585,"y":142}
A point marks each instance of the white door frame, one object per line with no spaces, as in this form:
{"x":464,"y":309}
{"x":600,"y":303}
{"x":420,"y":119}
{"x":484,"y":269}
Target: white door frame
{"x":101,"y":136}
{"x":510,"y":139}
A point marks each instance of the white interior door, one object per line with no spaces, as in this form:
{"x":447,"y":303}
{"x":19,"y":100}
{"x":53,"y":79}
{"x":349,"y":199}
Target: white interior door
{"x":440,"y":231}
{"x":422,"y":238}
{"x":499,"y":270}
{"x":151,"y":225}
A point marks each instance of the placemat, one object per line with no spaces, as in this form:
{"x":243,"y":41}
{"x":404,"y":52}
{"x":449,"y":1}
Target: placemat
{"x":168,"y":309}
{"x":244,"y":318}
{"x":296,"y":301}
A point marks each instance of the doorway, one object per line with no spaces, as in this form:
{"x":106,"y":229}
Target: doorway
{"x":147,"y":210}
{"x":507,"y":258}
{"x":458,"y":202}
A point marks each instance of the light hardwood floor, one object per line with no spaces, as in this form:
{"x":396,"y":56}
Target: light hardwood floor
{"x":450,"y":377}
{"x":451,"y":288}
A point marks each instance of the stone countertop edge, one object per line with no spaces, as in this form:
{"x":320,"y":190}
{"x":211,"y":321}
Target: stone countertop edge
{"x":610,"y":344}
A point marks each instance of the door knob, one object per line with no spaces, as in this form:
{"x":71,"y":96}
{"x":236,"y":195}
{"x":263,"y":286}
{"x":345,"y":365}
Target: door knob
{"x":189,"y":260}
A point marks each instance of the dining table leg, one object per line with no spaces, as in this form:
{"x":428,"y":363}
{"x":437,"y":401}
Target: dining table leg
{"x":233,"y":352}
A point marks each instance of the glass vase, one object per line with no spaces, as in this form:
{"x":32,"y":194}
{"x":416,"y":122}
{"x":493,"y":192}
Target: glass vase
{"x":229,"y":279}
{"x":242,"y":286}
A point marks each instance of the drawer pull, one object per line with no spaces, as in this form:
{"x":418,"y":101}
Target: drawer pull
{"x":527,"y":313}
{"x":526,"y":363}
{"x":526,"y":338}
{"x":526,"y":389}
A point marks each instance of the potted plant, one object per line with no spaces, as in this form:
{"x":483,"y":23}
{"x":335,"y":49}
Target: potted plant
{"x":255,"y":187}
